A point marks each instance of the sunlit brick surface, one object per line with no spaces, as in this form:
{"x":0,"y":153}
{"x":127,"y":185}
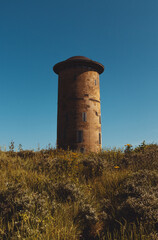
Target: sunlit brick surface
{"x":79,"y":108}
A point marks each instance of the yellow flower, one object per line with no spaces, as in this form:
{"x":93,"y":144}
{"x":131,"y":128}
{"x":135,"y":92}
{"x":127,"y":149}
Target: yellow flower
{"x":116,"y":167}
{"x":128,"y":145}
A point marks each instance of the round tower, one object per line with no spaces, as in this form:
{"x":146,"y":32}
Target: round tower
{"x":79,"y":114}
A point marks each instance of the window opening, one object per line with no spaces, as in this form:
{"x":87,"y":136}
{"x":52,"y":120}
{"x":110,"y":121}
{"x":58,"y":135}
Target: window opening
{"x":82,"y":150}
{"x":99,"y":119}
{"x":75,"y":76}
{"x":84,"y":117}
{"x":99,"y":138}
{"x":67,"y":117}
{"x":95,"y":82}
{"x":64,"y":134}
{"x":79,"y":136}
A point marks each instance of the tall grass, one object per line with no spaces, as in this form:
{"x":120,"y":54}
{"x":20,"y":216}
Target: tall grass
{"x":56,"y":194}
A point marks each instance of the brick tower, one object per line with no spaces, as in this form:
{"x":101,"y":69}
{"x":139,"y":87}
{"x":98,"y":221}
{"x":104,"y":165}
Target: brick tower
{"x":79,"y":114}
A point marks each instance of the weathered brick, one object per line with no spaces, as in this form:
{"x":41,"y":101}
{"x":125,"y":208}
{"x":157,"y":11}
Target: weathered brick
{"x":79,"y":93}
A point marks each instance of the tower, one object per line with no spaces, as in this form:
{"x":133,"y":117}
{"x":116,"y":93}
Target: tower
{"x":79,"y":114}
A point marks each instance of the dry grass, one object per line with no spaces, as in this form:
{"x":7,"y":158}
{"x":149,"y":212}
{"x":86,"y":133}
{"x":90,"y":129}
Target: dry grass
{"x":55,"y":194}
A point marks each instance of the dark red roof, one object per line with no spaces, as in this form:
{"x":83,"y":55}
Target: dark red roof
{"x":78,"y":61}
{"x":78,"y":58}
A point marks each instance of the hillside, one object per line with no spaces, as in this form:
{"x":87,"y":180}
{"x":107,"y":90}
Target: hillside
{"x":60,"y":195}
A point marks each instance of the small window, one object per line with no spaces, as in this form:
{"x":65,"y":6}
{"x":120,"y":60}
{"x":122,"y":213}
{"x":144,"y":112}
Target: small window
{"x":99,"y":119}
{"x":75,"y":76}
{"x":64,"y":134}
{"x":84,"y":117}
{"x":99,"y":138}
{"x":82,"y":150}
{"x":79,"y":136}
{"x":67,"y":117}
{"x":95,"y":82}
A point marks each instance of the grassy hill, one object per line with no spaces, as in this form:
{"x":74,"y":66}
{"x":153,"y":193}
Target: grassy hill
{"x":61,"y":195}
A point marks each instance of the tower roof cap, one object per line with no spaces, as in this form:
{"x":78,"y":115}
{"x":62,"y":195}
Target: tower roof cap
{"x":78,"y":58}
{"x":78,"y":61}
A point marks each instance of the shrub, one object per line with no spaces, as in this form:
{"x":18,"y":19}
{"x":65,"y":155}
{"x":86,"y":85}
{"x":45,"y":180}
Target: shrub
{"x":143,"y":157}
{"x":18,"y":205}
{"x":66,"y":192}
{"x":91,"y":166}
{"x":26,"y":154}
{"x":135,"y":201}
{"x":9,"y":203}
{"x":86,"y":219}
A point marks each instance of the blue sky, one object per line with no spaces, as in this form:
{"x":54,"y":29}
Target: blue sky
{"x":122,"y":35}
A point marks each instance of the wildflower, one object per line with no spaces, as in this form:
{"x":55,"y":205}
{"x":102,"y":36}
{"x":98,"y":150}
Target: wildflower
{"x":128,"y":145}
{"x":116,"y":167}
{"x":25,"y":217}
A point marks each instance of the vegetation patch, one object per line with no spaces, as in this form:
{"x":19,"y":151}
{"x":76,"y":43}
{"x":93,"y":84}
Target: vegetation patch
{"x":56,"y":194}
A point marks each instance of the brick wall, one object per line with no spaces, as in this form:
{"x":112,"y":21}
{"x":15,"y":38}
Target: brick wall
{"x":79,"y":109}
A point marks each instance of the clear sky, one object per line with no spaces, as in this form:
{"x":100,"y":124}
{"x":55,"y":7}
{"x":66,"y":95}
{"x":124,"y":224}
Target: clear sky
{"x":120,"y":34}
